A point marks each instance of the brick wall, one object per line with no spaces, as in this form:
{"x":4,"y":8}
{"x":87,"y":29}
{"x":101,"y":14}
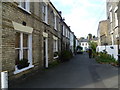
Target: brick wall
{"x":111,"y":25}
{"x":11,"y":12}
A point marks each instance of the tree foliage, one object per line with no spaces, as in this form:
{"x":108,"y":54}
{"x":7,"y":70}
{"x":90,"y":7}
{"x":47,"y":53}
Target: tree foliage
{"x":93,"y":46}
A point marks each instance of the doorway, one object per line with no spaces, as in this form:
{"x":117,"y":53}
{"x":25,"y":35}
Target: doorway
{"x":45,"y":52}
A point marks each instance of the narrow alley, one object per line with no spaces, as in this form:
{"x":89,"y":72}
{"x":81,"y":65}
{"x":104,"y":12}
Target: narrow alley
{"x":79,"y":72}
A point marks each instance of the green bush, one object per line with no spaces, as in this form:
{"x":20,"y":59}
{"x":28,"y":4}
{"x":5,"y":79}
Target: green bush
{"x":65,"y":55}
{"x":93,"y":46}
{"x":22,"y":63}
{"x":53,"y":64}
{"x":105,"y":58}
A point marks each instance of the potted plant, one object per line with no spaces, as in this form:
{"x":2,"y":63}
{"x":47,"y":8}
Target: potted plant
{"x":22,"y":63}
{"x":55,"y":54}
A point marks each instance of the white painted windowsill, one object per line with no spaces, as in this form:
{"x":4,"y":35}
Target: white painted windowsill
{"x":24,"y":9}
{"x":55,"y":57}
{"x":46,"y":22}
{"x":115,"y":27}
{"x":21,"y":70}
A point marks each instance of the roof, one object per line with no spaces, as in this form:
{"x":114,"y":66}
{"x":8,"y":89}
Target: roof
{"x":95,"y":39}
{"x":84,"y":40}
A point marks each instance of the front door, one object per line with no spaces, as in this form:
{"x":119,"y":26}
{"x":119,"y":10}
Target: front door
{"x":45,"y":56}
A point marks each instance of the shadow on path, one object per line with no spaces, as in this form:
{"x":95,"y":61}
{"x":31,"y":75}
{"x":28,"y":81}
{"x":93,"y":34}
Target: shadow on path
{"x":79,"y":72}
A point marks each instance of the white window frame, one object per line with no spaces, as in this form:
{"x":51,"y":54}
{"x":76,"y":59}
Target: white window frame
{"x":55,"y":21}
{"x":55,"y":45}
{"x":110,"y":10}
{"x":116,"y":18}
{"x":66,"y":32}
{"x":110,"y":16}
{"x":45,"y":12}
{"x":27,"y":6}
{"x":21,"y":53}
{"x":63,"y":30}
{"x":59,"y":25}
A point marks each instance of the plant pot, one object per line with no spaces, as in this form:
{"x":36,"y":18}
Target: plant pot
{"x":20,"y":66}
{"x":27,"y":64}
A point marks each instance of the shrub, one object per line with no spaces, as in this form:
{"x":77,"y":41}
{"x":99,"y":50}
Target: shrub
{"x":105,"y":58}
{"x":65,"y":55}
{"x":93,"y":46}
{"x":53,"y":64}
{"x":22,"y":63}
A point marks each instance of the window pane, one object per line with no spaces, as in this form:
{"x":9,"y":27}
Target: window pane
{"x":23,"y":4}
{"x":25,"y":40}
{"x":43,"y":16}
{"x":25,"y":53}
{"x":16,"y":56}
{"x":17,"y":40}
{"x":44,"y":12}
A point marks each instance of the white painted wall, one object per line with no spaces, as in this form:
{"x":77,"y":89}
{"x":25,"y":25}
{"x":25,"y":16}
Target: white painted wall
{"x":84,"y":45}
{"x":110,"y":51}
{"x":77,"y":43}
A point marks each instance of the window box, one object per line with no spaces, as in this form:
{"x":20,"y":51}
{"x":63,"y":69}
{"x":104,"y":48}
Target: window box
{"x":55,"y":57}
{"x":55,"y":54}
{"x":22,"y":63}
{"x":21,"y":70}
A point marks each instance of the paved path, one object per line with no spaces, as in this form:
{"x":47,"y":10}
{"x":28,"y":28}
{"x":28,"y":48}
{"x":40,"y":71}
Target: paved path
{"x":80,"y":72}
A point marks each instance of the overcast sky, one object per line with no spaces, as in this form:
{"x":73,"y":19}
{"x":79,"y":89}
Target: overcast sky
{"x":82,"y":15}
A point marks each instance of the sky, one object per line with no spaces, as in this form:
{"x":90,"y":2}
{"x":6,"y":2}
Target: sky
{"x":82,"y":16}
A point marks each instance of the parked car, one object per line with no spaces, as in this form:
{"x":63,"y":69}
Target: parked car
{"x":87,"y":50}
{"x":79,"y":51}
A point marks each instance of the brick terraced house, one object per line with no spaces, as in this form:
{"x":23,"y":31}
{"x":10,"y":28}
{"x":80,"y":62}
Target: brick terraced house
{"x":30,"y":33}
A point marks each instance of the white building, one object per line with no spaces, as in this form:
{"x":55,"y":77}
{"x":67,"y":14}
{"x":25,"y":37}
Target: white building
{"x":84,"y":44}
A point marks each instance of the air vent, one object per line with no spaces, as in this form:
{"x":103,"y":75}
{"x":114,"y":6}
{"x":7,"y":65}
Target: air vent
{"x":24,"y":23}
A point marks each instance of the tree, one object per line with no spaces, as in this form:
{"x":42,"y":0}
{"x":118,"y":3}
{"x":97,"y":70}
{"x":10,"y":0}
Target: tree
{"x":89,"y":36}
{"x":94,"y":36}
{"x":93,"y":46}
